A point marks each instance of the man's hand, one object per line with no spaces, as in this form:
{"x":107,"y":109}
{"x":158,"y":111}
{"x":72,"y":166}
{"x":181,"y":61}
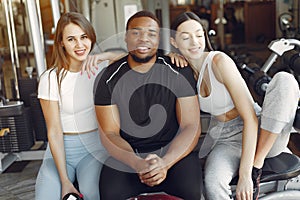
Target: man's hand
{"x":156,"y":171}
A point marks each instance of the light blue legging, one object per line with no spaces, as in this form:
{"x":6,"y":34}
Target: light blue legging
{"x":84,"y":156}
{"x":277,"y":116}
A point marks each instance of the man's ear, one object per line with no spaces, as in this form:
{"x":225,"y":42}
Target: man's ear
{"x":173,"y":42}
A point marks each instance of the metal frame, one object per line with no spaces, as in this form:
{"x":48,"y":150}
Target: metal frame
{"x":12,"y":43}
{"x":6,"y":159}
{"x":37,"y":37}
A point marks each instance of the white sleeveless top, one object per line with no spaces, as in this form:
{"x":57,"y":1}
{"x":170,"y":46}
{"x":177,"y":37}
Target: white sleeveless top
{"x":219,"y":100}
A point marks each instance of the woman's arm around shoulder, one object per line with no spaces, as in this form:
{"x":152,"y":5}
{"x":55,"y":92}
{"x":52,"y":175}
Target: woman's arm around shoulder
{"x":90,"y":65}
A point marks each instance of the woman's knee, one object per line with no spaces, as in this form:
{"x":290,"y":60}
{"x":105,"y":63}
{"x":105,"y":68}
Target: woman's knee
{"x":283,"y":80}
{"x":48,"y":173}
{"x":216,"y":179}
{"x":88,"y":175}
{"x":89,"y":189}
{"x":47,"y":184}
{"x":88,"y":183}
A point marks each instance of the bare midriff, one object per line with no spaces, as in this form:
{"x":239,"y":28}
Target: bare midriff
{"x":232,"y":114}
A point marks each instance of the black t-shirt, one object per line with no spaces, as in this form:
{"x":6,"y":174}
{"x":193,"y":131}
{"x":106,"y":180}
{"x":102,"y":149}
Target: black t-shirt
{"x":146,"y":101}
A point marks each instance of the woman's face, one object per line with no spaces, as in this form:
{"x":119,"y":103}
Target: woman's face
{"x":190,"y":39}
{"x":76,"y":43}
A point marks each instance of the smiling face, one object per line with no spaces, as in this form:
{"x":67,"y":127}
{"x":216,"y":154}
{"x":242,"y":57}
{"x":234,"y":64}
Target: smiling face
{"x":76,"y":44}
{"x":142,"y":38}
{"x":190,"y":39}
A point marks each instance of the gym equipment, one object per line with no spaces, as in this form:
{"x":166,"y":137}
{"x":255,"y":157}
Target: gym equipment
{"x":296,"y":123}
{"x":286,"y":25}
{"x":155,"y":196}
{"x":281,"y":174}
{"x":73,"y":196}
{"x":280,"y":178}
{"x":292,"y":60}
{"x":15,"y":118}
{"x":39,"y":125}
{"x":257,"y":78}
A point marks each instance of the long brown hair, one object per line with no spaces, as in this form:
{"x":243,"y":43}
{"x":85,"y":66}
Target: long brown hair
{"x":60,"y":60}
{"x":183,"y":17}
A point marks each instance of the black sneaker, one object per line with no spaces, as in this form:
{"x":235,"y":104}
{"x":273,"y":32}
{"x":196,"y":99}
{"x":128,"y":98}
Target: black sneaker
{"x":256,"y":174}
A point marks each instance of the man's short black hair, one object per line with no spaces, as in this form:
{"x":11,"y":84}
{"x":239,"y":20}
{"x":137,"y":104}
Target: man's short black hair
{"x":143,"y":13}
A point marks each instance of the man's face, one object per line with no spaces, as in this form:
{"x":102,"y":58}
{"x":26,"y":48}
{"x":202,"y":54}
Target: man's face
{"x":142,"y":38}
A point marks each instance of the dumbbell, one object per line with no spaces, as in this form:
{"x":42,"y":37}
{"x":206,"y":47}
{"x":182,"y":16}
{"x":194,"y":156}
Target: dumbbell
{"x":259,"y":81}
{"x":73,"y":196}
{"x":256,"y":79}
{"x":296,"y":123}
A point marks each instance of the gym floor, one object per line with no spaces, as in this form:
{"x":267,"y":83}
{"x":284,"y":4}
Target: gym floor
{"x":17,"y":182}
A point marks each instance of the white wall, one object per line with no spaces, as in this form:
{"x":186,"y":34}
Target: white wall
{"x":109,"y":18}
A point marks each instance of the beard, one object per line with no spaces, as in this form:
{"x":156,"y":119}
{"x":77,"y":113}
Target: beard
{"x":141,"y":60}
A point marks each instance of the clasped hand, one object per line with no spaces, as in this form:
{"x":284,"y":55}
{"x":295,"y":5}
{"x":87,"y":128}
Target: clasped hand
{"x":152,"y":170}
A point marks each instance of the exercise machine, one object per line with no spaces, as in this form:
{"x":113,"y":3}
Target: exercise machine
{"x":281,"y":174}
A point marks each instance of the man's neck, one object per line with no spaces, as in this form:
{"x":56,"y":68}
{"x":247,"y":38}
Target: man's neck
{"x":141,"y":67}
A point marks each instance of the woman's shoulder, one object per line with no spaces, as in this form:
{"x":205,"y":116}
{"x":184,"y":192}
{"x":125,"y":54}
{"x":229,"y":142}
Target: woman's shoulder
{"x":220,"y":58}
{"x":48,"y":74}
{"x":219,"y":55}
{"x":51,"y":71}
{"x":222,"y":64}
